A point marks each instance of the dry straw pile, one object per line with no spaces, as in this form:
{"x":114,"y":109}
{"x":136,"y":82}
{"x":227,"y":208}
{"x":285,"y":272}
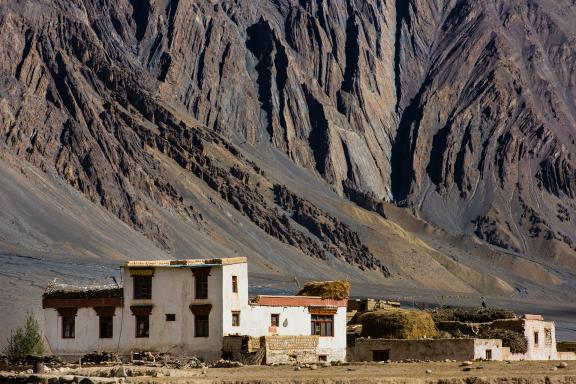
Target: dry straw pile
{"x":335,"y":290}
{"x":397,"y":324}
{"x":471,"y":315}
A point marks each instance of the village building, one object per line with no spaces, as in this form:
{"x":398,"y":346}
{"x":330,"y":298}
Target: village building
{"x":202,"y":308}
{"x":540,"y":336}
{"x":195,"y":308}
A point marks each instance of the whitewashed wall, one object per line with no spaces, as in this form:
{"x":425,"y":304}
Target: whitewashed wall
{"x":543,"y":350}
{"x":296,"y":321}
{"x":172,"y":293}
{"x":482,"y":345}
{"x":87,"y":332}
{"x":235,"y":301}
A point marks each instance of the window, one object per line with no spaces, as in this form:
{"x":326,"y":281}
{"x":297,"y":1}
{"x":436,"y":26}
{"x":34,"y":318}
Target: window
{"x":322,"y":358}
{"x":322,"y":325}
{"x":142,"y":287}
{"x":275,"y":320}
{"x":106,"y":327}
{"x":235,"y":318}
{"x":235,"y":284}
{"x":548,"y":336}
{"x":536,"y":337}
{"x":170,"y":317}
{"x":382,"y":355}
{"x":142,"y":325}
{"x":201,"y":286}
{"x":201,"y":326}
{"x":105,"y":321}
{"x":488,"y":354}
{"x":68,"y":327}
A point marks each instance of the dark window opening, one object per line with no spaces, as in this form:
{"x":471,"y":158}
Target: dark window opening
{"x":235,"y":318}
{"x":235,"y":284}
{"x":106,"y":327}
{"x":382,"y":355}
{"x":322,"y":358}
{"x":201,"y":286}
{"x":68,"y":327}
{"x":275,"y":320}
{"x":142,"y":287}
{"x":201,"y":326}
{"x":170,"y":317}
{"x":488,"y":354}
{"x":142,"y":326}
{"x":322,"y":325}
{"x":536,"y":337}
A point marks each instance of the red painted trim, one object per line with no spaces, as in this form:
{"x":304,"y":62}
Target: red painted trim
{"x":298,"y":301}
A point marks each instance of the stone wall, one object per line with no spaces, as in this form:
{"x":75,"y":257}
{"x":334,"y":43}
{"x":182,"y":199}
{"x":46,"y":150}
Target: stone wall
{"x":290,"y":349}
{"x":275,"y":349}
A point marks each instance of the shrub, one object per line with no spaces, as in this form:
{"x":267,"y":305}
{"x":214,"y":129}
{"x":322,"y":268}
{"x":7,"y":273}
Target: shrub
{"x":397,"y":324}
{"x":515,"y":340}
{"x":26,"y":340}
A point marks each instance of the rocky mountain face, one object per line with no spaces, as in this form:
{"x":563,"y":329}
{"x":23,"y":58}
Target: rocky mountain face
{"x":252,"y":126}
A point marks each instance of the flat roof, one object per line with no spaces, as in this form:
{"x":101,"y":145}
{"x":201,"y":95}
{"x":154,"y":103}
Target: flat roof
{"x":185,"y":263}
{"x":297,"y":301}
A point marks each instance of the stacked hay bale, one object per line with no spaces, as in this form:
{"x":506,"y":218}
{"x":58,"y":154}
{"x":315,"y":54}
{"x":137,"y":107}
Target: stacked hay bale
{"x":468,"y":322}
{"x":335,"y":290}
{"x":397,"y":324}
{"x":480,"y":323}
{"x":64,"y":291}
{"x":471,"y":315}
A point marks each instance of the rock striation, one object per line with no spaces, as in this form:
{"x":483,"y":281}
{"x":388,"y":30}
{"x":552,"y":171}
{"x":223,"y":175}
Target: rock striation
{"x":461,"y":111}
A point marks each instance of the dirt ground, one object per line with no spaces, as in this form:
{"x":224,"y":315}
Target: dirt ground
{"x":377,"y":372}
{"x":434,"y":372}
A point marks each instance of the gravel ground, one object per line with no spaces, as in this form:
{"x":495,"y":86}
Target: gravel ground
{"x":536,"y":372}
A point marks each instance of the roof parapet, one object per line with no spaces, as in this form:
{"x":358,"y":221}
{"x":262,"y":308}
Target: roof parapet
{"x":186,"y":262}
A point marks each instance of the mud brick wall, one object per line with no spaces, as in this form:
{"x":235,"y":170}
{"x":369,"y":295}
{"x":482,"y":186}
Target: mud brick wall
{"x":429,"y":349}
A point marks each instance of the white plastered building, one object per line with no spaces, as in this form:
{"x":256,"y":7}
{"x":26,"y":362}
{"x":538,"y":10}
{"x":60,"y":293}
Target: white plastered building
{"x":186,"y":307}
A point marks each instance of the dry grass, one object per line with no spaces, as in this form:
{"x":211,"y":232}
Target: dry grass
{"x":397,"y":324}
{"x":336,"y":290}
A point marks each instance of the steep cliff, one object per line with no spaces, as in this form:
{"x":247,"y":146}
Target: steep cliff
{"x":292,"y":131}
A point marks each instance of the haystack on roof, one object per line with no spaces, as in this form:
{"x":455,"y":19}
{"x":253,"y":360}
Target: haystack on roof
{"x":67,"y":291}
{"x":472,"y":315}
{"x":397,"y":324}
{"x":335,"y":290}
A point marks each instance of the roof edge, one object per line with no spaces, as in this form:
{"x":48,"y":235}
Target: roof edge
{"x":186,"y":262}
